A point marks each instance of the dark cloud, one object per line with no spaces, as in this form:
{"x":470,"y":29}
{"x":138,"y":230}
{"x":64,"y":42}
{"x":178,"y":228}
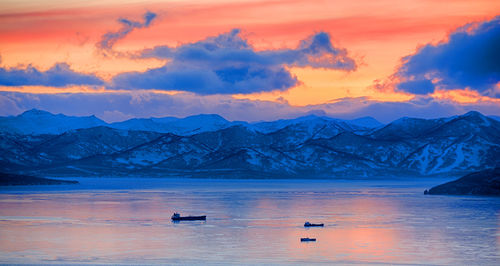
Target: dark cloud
{"x":110,"y":38}
{"x":227,"y":64}
{"x":469,"y":58}
{"x":423,"y":86}
{"x":230,"y":49}
{"x":227,"y":80}
{"x":318,"y":51}
{"x":127,"y":104}
{"x":60,"y":75}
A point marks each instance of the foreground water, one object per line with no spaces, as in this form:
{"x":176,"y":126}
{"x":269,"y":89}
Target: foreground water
{"x":127,"y":221}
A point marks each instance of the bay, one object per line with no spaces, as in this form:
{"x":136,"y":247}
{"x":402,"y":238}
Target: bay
{"x":127,"y":221}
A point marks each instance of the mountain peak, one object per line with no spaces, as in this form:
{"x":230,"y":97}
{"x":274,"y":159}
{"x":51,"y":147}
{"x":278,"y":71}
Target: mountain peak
{"x":474,"y":114}
{"x":207,"y":116}
{"x":37,"y":122}
{"x":317,"y":113}
{"x":476,"y":118}
{"x":205,"y":119}
{"x":35,"y":112}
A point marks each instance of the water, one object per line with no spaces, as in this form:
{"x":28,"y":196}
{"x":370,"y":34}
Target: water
{"x":127,"y":221}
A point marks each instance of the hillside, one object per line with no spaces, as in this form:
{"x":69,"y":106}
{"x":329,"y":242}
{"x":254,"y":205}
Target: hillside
{"x":485,"y":182}
{"x":306,"y":147}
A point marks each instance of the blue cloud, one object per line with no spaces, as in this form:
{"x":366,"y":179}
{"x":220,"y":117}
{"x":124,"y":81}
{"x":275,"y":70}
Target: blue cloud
{"x":60,"y":75}
{"x":110,"y":38}
{"x":228,"y":80}
{"x":318,"y":51}
{"x":423,"y":86}
{"x":470,"y":58}
{"x":227,"y":64}
{"x":229,"y":48}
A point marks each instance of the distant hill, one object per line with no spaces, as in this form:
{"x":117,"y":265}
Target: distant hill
{"x":305,"y":147}
{"x":312,"y":122}
{"x":485,"y":182}
{"x":24,"y":180}
{"x":41,"y":122}
{"x":38,"y":122}
{"x":180,"y":126}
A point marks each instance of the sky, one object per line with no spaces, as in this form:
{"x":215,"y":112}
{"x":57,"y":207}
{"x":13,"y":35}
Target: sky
{"x":250,"y":60}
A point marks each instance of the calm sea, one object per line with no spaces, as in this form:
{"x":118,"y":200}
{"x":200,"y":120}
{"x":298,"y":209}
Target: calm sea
{"x":127,"y":221}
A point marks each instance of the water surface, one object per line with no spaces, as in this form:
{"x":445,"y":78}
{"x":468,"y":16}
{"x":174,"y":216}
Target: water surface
{"x":127,"y":221}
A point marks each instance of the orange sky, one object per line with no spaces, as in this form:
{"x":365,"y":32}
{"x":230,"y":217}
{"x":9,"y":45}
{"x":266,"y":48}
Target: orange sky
{"x":377,"y":34}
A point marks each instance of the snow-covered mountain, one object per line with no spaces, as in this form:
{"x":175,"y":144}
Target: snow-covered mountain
{"x":306,"y":147}
{"x":496,"y":117}
{"x":38,"y":122}
{"x":181,"y":126}
{"x":313,"y":122}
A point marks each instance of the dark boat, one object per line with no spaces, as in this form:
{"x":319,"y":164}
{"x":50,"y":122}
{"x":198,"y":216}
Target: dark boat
{"x":307,"y":239}
{"x":308,"y":224}
{"x":178,"y":217}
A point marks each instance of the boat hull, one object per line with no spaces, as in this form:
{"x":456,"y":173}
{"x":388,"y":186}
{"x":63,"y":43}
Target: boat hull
{"x":190,"y":218}
{"x":314,"y":225}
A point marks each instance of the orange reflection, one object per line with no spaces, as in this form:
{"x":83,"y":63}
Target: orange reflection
{"x":353,"y":244}
{"x":369,"y":239}
{"x":248,"y":222}
{"x":358,"y":231}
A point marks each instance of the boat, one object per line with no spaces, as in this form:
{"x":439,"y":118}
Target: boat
{"x":308,"y":224}
{"x":307,"y":239}
{"x":178,"y":217}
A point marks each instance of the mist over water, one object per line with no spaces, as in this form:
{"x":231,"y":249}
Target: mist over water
{"x":127,"y":221}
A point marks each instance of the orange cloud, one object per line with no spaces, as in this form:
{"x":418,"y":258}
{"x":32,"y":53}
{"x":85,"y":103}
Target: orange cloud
{"x":463,"y":96}
{"x":377,"y":32}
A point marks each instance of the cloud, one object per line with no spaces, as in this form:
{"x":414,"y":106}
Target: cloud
{"x":423,"y":86}
{"x":468,"y":59}
{"x":59,"y":75}
{"x":119,"y":106}
{"x":228,"y":64}
{"x":110,"y":38}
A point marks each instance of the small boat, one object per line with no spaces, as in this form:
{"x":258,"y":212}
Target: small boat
{"x":308,"y":224}
{"x":178,"y":217}
{"x":307,"y":239}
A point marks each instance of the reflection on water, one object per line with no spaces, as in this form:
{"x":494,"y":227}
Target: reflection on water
{"x":248,"y":222}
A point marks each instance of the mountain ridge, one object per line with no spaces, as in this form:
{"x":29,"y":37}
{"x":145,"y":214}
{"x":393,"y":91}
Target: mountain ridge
{"x":39,"y":122}
{"x":308,"y":147}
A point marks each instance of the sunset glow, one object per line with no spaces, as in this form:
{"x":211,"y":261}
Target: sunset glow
{"x":376,"y":35}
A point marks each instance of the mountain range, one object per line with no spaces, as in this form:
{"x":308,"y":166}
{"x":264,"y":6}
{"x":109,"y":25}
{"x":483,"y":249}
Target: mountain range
{"x":43,"y":144}
{"x":37,"y":122}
